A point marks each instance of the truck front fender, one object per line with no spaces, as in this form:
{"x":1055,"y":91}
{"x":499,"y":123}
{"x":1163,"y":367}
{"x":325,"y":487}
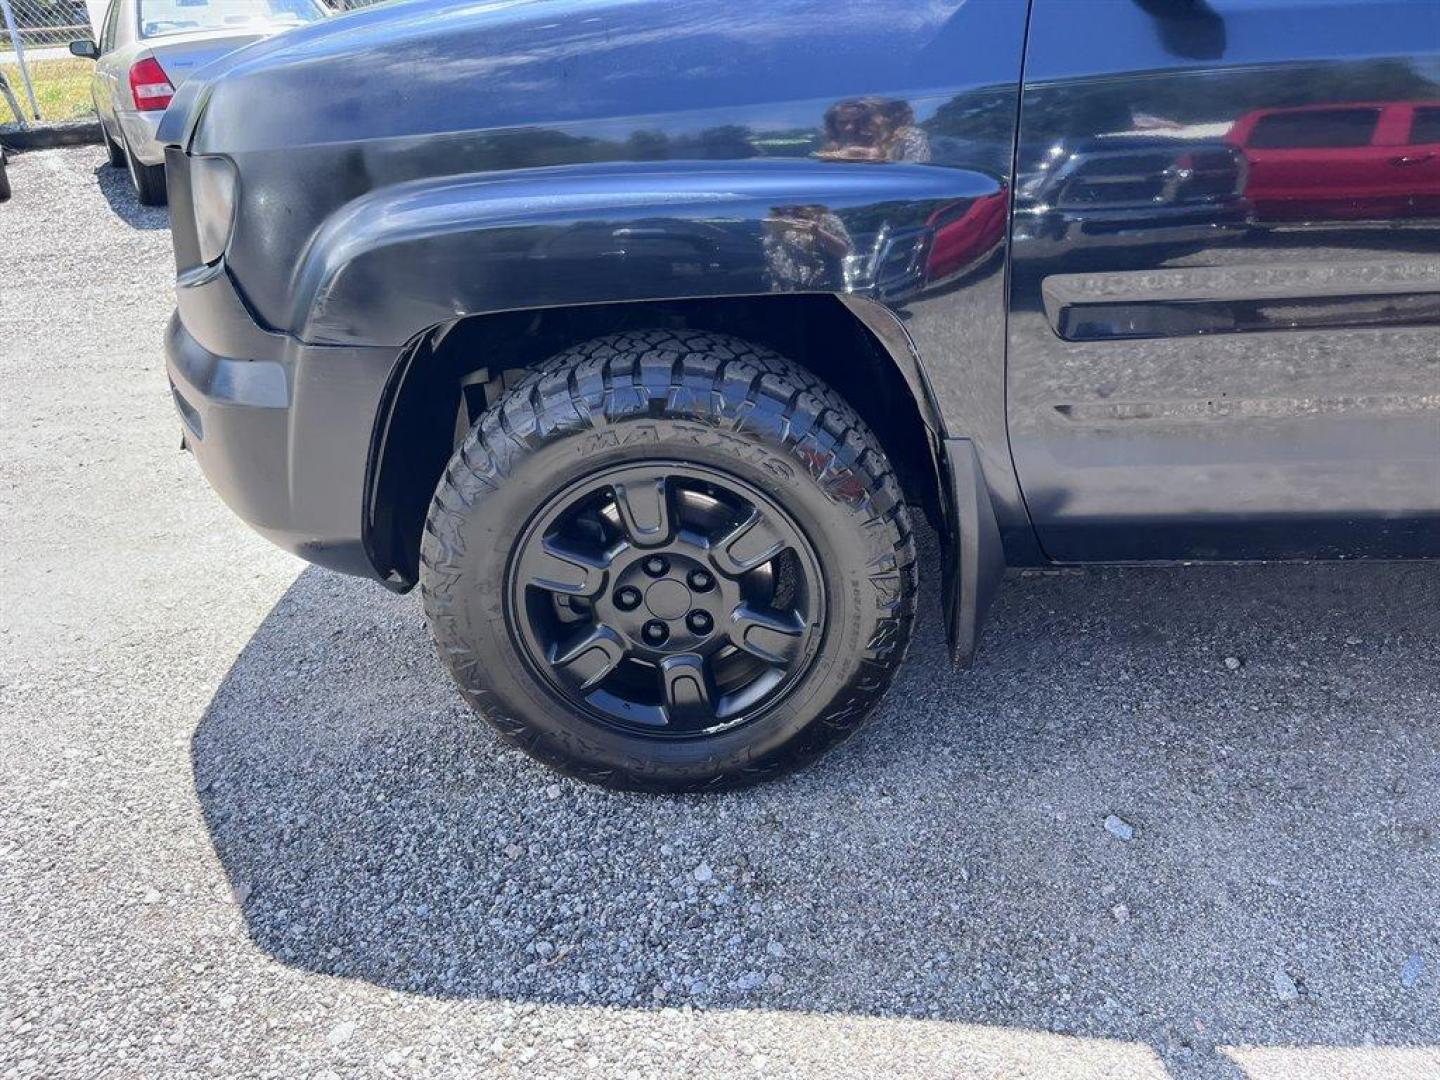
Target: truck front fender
{"x":404,"y":258}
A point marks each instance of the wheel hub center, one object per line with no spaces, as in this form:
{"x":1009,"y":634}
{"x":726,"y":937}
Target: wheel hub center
{"x":667,"y":599}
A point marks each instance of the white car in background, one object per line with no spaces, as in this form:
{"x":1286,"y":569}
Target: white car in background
{"x":149,"y":47}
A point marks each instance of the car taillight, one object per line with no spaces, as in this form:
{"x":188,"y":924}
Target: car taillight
{"x":149,"y":85}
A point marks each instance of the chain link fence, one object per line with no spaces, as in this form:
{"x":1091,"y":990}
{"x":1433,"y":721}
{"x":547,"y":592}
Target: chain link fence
{"x":44,"y":80}
{"x":41,"y":80}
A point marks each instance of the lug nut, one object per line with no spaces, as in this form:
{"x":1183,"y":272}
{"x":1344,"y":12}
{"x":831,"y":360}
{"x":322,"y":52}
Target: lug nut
{"x":700,"y":581}
{"x":655,"y":632}
{"x":700,"y":622}
{"x":627,"y":598}
{"x":655,"y":566}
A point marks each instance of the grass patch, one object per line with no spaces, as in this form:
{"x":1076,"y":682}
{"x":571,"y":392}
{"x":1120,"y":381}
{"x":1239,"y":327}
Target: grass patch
{"x":62,"y":88}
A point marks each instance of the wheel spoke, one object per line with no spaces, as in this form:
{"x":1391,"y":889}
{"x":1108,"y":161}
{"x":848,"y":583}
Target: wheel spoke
{"x":644,"y":508}
{"x":754,"y":542}
{"x":590,"y":655}
{"x":772,"y":636}
{"x":561,"y":567}
{"x":687,"y":690}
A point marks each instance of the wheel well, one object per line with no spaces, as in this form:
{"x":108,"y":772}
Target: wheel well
{"x":451,"y":374}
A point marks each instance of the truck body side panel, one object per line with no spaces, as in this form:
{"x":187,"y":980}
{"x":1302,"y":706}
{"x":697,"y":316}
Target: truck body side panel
{"x":463,"y":160}
{"x":1189,"y":383}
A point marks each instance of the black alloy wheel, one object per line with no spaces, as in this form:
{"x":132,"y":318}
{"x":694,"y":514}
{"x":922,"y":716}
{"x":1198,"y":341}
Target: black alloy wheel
{"x":666,"y":599}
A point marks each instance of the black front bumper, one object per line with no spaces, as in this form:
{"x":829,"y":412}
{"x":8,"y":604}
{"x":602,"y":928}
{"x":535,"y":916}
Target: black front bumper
{"x":282,"y":430}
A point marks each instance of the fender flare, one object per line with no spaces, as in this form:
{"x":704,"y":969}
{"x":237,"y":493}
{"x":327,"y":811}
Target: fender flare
{"x":410,"y":256}
{"x":973,"y":559}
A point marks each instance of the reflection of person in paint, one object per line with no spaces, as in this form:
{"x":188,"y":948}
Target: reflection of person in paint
{"x":873,"y":129}
{"x":805,"y":248}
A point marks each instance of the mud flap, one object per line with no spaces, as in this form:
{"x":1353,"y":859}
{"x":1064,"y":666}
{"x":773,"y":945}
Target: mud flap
{"x":974,"y":560}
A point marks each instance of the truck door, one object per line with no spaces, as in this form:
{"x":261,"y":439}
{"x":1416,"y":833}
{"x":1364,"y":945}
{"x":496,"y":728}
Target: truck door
{"x":1197,"y":367}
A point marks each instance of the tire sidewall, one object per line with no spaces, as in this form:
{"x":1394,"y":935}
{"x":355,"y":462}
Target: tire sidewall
{"x":147,"y":180}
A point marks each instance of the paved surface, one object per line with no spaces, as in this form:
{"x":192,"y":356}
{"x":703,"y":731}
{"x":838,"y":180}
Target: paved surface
{"x":248,"y":828}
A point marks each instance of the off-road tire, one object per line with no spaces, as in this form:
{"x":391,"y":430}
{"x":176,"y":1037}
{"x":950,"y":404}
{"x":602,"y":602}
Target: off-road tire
{"x":709,"y":400}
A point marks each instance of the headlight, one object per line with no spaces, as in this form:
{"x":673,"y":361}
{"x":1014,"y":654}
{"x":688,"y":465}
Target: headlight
{"x":214,"y":185}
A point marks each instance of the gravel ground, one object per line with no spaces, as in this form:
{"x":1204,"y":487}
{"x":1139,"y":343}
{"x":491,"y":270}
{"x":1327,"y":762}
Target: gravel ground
{"x":1174,"y":823}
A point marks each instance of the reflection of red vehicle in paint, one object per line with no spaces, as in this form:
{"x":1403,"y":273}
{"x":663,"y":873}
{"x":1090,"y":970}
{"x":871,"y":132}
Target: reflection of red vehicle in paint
{"x":899,"y":264}
{"x":964,"y":233}
{"x":1351,"y":162}
{"x":896,"y":264}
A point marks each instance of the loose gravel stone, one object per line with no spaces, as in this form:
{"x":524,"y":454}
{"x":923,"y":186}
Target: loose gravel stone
{"x":1411,"y":971}
{"x":1119,"y":828}
{"x":1286,"y":989}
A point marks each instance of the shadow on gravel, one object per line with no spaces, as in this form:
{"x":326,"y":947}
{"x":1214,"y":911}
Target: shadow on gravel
{"x":950,"y":863}
{"x":119,"y":192}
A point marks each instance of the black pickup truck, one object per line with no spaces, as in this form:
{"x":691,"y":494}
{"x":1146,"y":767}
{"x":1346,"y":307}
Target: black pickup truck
{"x":638,"y":333}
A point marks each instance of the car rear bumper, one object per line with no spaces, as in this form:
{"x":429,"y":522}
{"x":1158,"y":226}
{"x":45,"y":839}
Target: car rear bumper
{"x":139,"y":130}
{"x":281,"y":430}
